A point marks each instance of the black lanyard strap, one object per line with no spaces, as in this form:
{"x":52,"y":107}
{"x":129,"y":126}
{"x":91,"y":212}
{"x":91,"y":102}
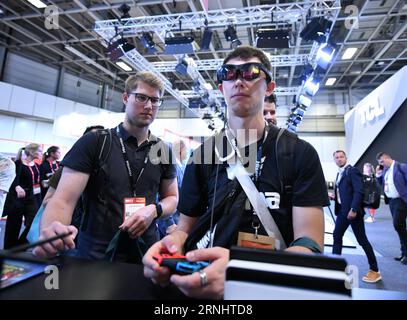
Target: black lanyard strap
{"x":132,"y":179}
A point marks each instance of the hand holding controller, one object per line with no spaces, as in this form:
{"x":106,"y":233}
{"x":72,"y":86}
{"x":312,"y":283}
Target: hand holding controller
{"x":179,"y":264}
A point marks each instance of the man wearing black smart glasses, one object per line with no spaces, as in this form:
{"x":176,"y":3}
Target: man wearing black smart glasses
{"x":124,"y":190}
{"x":216,"y":213}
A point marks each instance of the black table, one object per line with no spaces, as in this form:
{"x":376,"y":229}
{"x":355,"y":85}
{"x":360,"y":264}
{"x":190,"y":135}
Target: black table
{"x":100,"y":280}
{"x":85,"y":279}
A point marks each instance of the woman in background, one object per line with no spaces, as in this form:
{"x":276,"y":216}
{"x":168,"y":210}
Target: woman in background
{"x":24,"y":197}
{"x":49,"y":165}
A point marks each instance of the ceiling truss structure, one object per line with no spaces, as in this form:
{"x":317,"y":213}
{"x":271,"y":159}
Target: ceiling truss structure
{"x":266,"y":15}
{"x":380,"y":38}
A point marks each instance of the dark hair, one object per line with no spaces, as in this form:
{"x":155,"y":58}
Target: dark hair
{"x":271,"y":99}
{"x":90,"y":128}
{"x":337,"y":151}
{"x":247,"y":52}
{"x":381,"y":154}
{"x":50,"y":150}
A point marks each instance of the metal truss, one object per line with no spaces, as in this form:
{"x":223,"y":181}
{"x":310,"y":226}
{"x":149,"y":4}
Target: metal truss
{"x":258,"y":15}
{"x":167,"y":24}
{"x":213,"y":64}
{"x":279,"y":91}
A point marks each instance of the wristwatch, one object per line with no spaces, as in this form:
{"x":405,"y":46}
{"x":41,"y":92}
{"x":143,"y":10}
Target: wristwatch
{"x":159,"y":209}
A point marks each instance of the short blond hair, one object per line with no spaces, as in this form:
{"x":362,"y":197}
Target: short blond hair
{"x":146,"y":77}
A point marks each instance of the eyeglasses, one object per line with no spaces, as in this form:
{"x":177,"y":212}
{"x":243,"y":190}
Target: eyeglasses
{"x":142,"y":98}
{"x":248,"y":72}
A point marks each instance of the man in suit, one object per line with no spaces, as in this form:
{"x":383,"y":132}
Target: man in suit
{"x":349,"y":211}
{"x":392,"y":175}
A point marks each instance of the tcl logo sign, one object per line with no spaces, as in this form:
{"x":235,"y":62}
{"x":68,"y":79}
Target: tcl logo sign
{"x":370,"y":111}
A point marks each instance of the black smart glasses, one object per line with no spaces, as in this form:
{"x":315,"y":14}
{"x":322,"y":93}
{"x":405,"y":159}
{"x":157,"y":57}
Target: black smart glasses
{"x":247,"y":71}
{"x":142,"y":98}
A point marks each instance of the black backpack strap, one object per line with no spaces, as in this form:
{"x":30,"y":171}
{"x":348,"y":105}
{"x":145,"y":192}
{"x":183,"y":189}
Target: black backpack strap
{"x":104,"y":146}
{"x":285,"y":146}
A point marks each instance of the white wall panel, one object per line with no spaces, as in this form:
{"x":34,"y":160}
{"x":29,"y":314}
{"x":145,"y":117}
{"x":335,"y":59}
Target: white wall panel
{"x":24,"y":129}
{"x":63,"y":106}
{"x":81,"y":108}
{"x":6,"y":126}
{"x":43,"y":133}
{"x":5,"y":95}
{"x":22,"y":100}
{"x":44,"y":105}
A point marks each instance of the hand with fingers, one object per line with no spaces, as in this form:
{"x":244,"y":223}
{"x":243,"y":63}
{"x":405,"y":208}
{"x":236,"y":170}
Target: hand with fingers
{"x":49,"y":250}
{"x":138,"y":223}
{"x":171,"y":244}
{"x":208,"y":283}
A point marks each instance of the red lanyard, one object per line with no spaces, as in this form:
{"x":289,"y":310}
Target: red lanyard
{"x":50,"y":165}
{"x":32,"y":174}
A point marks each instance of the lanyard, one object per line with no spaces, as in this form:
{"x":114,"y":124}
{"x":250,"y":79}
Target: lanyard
{"x":32,"y":174}
{"x":133,"y":182}
{"x":52,"y":168}
{"x":259,"y":159}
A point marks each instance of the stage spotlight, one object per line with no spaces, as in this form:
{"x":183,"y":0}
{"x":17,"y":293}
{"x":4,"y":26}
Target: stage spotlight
{"x":182,"y":67}
{"x":311,"y":86}
{"x":268,"y":38}
{"x":206,"y":39}
{"x":231,"y":36}
{"x":179,"y":45}
{"x":325,"y":55}
{"x":299,"y":112}
{"x":291,"y":127}
{"x":304,"y":101}
{"x":316,"y":30}
{"x":124,"y":9}
{"x":308,"y":70}
{"x":148,"y":42}
{"x":116,"y":49}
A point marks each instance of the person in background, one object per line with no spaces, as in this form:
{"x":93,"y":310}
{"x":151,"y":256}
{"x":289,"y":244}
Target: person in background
{"x":368,"y":175}
{"x":49,"y":165}
{"x":392,"y":175}
{"x":7,"y":175}
{"x":180,"y":151}
{"x":24,"y":197}
{"x":269,"y":110}
{"x":348,"y":196}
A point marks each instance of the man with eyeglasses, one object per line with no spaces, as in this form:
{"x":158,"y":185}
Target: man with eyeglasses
{"x":123,"y":196}
{"x":206,"y":234}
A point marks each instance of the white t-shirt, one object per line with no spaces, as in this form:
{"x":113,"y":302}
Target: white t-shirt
{"x":7,"y":175}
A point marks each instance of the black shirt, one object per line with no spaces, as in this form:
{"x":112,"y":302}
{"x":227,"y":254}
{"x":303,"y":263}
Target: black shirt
{"x":309,"y":188}
{"x":107,"y":187}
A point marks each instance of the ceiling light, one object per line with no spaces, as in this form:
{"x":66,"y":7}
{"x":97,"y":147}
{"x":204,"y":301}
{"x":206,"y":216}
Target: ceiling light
{"x":330,"y":81}
{"x":231,"y":36}
{"x":148,"y":42}
{"x":207,"y":86}
{"x":179,"y":45}
{"x":270,"y":38}
{"x":38,"y":3}
{"x":349,"y":53}
{"x":124,"y":66}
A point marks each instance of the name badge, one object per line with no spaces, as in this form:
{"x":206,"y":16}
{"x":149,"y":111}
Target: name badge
{"x":251,"y":240}
{"x":131,"y":205}
{"x":36,"y":189}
